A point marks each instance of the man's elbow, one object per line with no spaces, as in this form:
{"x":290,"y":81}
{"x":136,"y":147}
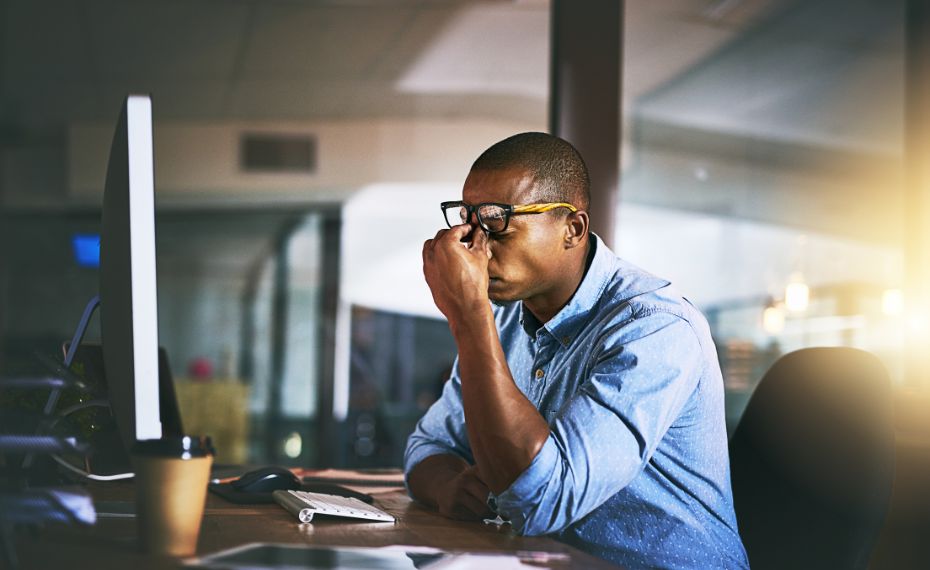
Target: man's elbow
{"x":539,"y":516}
{"x":531,"y":527}
{"x":550,"y":512}
{"x":537,"y":524}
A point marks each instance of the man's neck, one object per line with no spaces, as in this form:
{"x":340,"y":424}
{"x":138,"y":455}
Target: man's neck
{"x":544,"y":307}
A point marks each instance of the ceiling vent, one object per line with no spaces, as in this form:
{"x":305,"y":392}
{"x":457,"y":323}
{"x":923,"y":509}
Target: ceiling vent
{"x":285,"y":153}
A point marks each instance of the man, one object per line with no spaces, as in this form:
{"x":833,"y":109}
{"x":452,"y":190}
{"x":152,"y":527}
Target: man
{"x":589,"y":403}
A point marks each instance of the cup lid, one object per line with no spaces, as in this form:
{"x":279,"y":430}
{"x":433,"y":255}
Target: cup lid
{"x":184,"y":447}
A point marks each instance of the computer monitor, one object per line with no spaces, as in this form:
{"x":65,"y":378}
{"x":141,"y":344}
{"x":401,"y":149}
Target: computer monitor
{"x":128,"y":295}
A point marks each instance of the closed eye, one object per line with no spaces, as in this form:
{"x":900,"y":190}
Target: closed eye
{"x":500,"y":236}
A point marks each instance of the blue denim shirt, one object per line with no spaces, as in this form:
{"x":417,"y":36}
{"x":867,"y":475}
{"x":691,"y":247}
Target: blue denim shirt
{"x":635,"y":469}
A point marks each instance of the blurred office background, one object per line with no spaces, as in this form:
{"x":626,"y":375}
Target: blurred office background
{"x":302,"y":149}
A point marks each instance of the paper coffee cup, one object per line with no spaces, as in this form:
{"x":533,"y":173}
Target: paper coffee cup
{"x":171,"y":490}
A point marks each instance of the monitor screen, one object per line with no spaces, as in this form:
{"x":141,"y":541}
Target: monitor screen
{"x":86,"y":248}
{"x":128,"y":298}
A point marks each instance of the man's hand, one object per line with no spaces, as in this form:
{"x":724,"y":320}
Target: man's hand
{"x":451,"y":486}
{"x":465,"y":497}
{"x":457,"y":271}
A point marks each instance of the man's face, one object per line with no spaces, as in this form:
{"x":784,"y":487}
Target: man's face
{"x":527,"y":259}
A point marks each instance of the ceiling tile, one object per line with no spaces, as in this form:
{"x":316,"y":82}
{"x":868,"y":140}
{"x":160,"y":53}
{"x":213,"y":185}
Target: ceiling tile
{"x":166,"y":38}
{"x":498,"y":48}
{"x":44,"y":39}
{"x":313,"y":41}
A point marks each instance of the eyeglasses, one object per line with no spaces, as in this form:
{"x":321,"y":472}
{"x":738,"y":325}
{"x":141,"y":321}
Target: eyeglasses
{"x":492,"y":217}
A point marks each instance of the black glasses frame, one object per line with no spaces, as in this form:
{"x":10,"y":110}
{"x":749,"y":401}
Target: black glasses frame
{"x":508,"y":209}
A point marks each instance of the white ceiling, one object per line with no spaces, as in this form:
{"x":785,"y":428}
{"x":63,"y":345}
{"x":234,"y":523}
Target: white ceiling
{"x":824,"y":72}
{"x":272,"y":59}
{"x":760,"y":96}
{"x":798,"y":121}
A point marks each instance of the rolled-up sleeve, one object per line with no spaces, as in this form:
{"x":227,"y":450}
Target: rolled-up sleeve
{"x":442,"y":429}
{"x":640,"y":379}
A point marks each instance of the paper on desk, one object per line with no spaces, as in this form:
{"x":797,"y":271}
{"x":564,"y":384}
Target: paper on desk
{"x":278,"y":556}
{"x":365,"y":481}
{"x":470,"y":561}
{"x":369,"y":490}
{"x":385,"y":476}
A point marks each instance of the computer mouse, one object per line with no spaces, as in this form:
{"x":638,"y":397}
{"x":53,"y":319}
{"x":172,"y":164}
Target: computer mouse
{"x":266,"y":480}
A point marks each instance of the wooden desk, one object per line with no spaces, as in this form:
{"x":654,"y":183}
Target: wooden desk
{"x":111,"y":542}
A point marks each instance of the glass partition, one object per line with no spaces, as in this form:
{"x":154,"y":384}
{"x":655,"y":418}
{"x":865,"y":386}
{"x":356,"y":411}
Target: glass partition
{"x":765,"y":177}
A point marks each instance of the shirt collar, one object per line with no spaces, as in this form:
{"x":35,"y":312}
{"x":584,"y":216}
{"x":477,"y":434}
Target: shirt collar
{"x":604,"y":267}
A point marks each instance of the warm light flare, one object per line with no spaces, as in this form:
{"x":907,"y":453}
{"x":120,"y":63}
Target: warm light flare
{"x":293,"y":445}
{"x":797,"y":297}
{"x":773,"y":319}
{"x":892,"y":302}
{"x":918,"y":325}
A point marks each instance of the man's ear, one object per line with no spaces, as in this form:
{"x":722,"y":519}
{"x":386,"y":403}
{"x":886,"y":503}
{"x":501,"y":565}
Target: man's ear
{"x":576,"y":228}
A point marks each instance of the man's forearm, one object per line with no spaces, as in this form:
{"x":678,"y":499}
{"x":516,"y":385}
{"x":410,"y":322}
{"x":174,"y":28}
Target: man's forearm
{"x":428,"y":477}
{"x":505,"y":430}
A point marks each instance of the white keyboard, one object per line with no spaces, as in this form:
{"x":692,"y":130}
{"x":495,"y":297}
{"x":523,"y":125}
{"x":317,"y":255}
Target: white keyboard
{"x":305,"y":505}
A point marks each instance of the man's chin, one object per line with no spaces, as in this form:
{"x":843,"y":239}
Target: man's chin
{"x":499,"y":294}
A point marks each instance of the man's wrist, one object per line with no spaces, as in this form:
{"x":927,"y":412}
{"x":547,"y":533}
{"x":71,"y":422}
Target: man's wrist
{"x":472,"y":316}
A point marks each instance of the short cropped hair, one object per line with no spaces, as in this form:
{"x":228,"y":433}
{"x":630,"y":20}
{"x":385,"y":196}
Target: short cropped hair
{"x":557,"y":168}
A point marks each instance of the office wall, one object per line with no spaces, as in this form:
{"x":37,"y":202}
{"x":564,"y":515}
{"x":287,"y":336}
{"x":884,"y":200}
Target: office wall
{"x":43,"y":295}
{"x":200,"y":161}
{"x":36,"y":171}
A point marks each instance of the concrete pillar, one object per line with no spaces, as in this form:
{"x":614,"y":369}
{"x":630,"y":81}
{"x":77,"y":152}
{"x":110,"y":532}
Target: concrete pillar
{"x":585,"y":95}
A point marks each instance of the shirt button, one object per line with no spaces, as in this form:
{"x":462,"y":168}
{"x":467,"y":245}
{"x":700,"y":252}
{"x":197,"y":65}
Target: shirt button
{"x":539,"y":373}
{"x":566,"y":339}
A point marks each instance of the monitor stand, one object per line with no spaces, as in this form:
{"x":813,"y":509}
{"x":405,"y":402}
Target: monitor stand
{"x":109,"y":453}
{"x":55,"y":394}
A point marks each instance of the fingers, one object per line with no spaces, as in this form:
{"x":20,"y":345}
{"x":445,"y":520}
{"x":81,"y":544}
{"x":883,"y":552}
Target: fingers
{"x":458,"y":232}
{"x":480,"y":242}
{"x":430,"y":244}
{"x":474,"y":474}
{"x":466,"y":498}
{"x":455,"y":234}
{"x":427,"y":251}
{"x":480,"y":493}
{"x":476,"y":488}
{"x":460,"y":504}
{"x":473,"y":494}
{"x":475,"y":507}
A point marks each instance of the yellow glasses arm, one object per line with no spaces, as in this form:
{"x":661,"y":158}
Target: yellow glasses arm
{"x":540,"y":208}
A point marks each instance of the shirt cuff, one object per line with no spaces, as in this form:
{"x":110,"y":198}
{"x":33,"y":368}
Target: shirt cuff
{"x":526,"y":493}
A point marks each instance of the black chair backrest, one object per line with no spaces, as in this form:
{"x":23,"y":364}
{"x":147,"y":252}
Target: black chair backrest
{"x":812,"y":461}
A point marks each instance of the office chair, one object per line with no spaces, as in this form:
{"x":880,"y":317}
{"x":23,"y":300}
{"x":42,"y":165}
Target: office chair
{"x":812,"y":461}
